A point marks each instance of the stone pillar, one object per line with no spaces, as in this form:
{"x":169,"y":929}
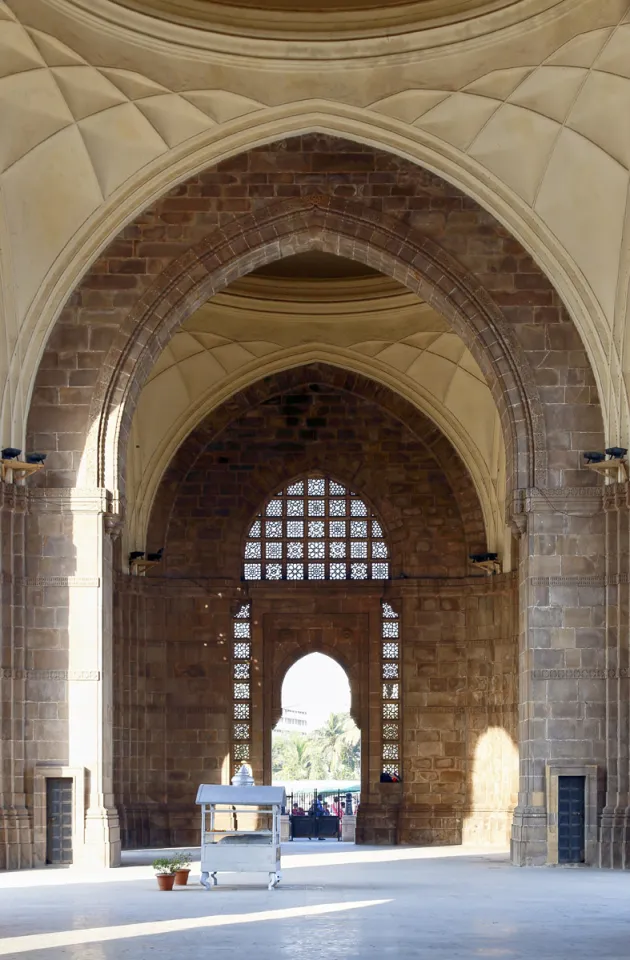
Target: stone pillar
{"x":69,"y":656}
{"x":615,"y":824}
{"x":16,"y":841}
{"x":562,"y":696}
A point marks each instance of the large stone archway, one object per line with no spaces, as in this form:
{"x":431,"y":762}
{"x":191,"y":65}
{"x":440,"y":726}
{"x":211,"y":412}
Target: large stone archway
{"x":425,"y":234}
{"x":343,"y":228}
{"x":457,"y":632}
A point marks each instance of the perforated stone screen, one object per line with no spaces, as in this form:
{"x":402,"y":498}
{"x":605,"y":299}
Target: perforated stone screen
{"x":390,"y":676}
{"x":316,"y":529}
{"x":241,"y":686}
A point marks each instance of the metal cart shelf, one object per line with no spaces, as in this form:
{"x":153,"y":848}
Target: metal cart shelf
{"x":240,"y":831}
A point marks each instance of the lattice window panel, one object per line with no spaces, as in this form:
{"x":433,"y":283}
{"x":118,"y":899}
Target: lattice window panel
{"x":390,"y":689}
{"x":316,"y":529}
{"x":241,"y":685}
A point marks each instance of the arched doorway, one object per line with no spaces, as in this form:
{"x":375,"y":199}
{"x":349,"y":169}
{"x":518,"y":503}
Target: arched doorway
{"x":453,"y":625}
{"x":316,"y":745}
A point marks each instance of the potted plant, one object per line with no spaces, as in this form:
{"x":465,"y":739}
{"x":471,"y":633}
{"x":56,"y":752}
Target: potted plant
{"x":181,"y":866}
{"x":164,"y":873}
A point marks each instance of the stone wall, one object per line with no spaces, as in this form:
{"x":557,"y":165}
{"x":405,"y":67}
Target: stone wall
{"x":459,"y":757}
{"x":60,"y":668}
{"x":313,"y":426}
{"x":173,"y":707}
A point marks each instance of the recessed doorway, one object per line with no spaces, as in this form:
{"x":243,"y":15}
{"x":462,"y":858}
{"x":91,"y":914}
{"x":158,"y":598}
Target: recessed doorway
{"x":59,"y":817}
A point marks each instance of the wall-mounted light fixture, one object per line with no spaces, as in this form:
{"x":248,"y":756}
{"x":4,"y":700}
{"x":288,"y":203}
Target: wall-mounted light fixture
{"x":488,"y":562}
{"x":139,"y":563}
{"x":611,"y":462}
{"x":12,"y":468}
{"x":594,"y":456}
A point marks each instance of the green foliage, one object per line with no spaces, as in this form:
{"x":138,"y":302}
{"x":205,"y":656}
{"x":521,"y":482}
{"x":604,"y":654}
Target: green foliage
{"x":181,"y":860}
{"x":163,"y":865}
{"x":333,"y":752}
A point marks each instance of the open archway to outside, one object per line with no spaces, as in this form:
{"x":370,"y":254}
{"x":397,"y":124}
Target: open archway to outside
{"x":449,"y":425}
{"x":316,"y":745}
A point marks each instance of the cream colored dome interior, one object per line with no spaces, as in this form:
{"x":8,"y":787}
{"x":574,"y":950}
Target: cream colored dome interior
{"x":315,"y":307}
{"x":352,"y":16}
{"x":522,"y":106}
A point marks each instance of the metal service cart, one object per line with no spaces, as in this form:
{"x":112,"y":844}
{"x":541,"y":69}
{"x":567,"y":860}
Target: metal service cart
{"x":240,"y":831}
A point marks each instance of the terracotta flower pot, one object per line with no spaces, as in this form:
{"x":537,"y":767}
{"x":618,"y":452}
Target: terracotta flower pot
{"x":181,"y":877}
{"x":165,"y":881}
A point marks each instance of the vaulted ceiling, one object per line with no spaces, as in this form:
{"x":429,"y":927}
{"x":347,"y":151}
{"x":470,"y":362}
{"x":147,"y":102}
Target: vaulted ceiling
{"x":315,"y":307}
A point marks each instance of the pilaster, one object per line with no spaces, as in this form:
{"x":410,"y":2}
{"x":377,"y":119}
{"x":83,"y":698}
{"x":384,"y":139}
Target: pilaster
{"x":16,"y":839}
{"x":614,"y":846}
{"x":69,"y":652}
{"x":562,"y":696}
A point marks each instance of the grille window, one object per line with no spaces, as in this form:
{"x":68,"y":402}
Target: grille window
{"x":316,"y":529}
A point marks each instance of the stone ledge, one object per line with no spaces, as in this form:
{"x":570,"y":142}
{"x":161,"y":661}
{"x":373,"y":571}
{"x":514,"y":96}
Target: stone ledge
{"x":581,"y":674}
{"x":10,"y":673}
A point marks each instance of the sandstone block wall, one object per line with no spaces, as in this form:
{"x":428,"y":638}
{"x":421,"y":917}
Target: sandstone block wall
{"x":458,"y":632}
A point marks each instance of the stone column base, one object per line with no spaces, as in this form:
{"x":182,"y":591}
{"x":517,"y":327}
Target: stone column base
{"x":16,"y":839}
{"x":614,"y":842}
{"x":102,"y":839}
{"x":348,"y":829}
{"x":378,"y":823}
{"x":528,"y":844}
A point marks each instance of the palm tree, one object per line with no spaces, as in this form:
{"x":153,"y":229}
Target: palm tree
{"x":337,"y":735}
{"x":332,"y":752}
{"x":292,"y":757}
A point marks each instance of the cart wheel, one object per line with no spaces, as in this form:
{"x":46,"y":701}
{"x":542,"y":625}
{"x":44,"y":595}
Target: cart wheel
{"x":203,"y":880}
{"x":214,"y":879}
{"x":274,"y":880}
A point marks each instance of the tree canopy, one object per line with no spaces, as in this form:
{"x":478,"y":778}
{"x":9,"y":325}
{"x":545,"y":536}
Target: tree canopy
{"x":332,"y":752}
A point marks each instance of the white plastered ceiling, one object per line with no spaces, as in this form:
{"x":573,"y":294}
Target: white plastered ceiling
{"x":102,"y":109}
{"x":370,"y":325}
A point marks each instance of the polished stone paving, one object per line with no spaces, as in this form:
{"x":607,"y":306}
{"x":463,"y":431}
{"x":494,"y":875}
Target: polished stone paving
{"x":335,"y":900}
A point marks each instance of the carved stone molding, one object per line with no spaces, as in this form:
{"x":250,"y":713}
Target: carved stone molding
{"x":73,"y":500}
{"x":466,"y":708}
{"x":569,"y":581}
{"x":114,"y":523}
{"x":569,"y":500}
{"x":616,"y":496}
{"x":611,"y":580}
{"x":616,"y":578}
{"x":581,"y":674}
{"x":58,"y":581}
{"x":10,"y":673}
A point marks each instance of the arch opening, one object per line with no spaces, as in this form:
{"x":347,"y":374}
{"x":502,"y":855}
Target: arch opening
{"x":316,"y":742}
{"x":213,"y":493}
{"x":339,"y":228}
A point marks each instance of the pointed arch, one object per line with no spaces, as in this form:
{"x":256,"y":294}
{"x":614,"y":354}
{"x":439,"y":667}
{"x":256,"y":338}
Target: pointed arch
{"x":347,"y":229}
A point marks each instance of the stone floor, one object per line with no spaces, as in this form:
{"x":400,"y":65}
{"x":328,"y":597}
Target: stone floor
{"x":335,"y":900}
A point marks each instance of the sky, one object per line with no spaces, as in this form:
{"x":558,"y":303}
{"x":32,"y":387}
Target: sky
{"x":318,"y":685}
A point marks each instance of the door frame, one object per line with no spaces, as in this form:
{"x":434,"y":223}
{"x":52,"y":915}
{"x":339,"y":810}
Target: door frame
{"x":43,"y":772}
{"x":590,"y":772}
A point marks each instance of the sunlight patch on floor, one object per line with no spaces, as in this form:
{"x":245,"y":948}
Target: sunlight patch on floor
{"x":66,"y":938}
{"x":356,"y":855}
